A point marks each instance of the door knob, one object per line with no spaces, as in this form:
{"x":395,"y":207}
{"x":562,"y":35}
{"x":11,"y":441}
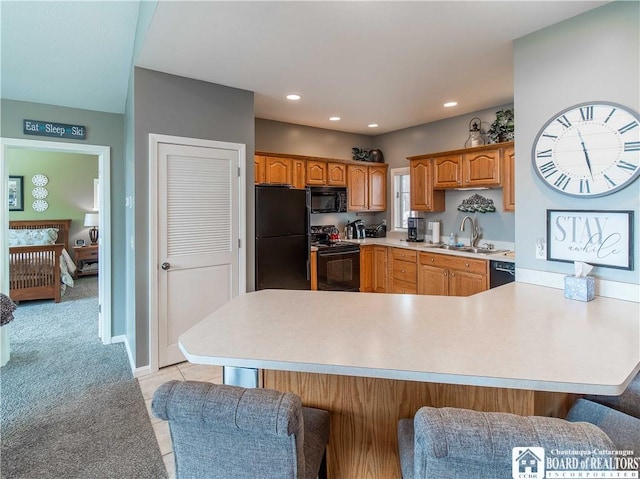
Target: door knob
{"x":165,"y":266}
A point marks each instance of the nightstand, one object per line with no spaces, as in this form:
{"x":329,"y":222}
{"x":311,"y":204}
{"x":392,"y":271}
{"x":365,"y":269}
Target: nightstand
{"x":86,"y":260}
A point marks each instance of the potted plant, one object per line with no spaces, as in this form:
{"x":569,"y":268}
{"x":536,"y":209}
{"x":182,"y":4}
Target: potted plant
{"x":502,"y":128}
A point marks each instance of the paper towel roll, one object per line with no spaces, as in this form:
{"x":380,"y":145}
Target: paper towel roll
{"x":436,"y":232}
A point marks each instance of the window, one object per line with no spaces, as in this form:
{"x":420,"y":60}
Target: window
{"x":400,"y":198}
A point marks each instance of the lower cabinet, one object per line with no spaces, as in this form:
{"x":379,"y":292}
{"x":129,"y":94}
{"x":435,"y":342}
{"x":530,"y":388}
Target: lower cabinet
{"x":446,"y":275}
{"x":373,"y":269}
{"x":314,"y":271}
{"x":399,"y":270}
{"x":403,"y":271}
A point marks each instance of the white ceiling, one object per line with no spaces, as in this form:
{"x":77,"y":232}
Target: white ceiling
{"x":393,"y":63}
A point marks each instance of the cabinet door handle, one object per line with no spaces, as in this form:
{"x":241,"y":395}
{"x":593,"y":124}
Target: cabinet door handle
{"x":453,"y":275}
{"x":466,"y":264}
{"x":165,"y":266}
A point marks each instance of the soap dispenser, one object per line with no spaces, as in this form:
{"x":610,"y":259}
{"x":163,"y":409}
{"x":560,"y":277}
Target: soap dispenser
{"x":452,"y":239}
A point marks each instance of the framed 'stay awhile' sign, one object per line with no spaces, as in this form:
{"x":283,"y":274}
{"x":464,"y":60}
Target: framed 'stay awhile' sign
{"x":600,"y":238}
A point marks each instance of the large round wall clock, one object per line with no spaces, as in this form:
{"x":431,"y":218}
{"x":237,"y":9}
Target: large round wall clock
{"x":589,"y":150}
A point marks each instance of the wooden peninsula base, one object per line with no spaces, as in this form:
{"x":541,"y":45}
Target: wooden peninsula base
{"x":365,"y":413}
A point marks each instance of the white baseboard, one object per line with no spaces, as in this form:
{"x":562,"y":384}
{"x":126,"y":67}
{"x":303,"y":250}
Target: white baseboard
{"x":123,"y":339}
{"x":606,"y":288}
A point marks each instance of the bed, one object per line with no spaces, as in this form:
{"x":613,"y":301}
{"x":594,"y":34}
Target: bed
{"x":38,"y":265}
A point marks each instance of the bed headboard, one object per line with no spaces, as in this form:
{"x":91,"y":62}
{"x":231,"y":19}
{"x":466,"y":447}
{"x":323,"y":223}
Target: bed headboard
{"x":62,"y":225}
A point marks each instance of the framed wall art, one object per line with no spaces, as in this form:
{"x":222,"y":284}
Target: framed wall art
{"x":600,"y":238}
{"x":16,"y":193}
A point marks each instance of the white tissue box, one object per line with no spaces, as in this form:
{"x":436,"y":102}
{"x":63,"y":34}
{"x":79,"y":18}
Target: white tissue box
{"x":582,"y":289}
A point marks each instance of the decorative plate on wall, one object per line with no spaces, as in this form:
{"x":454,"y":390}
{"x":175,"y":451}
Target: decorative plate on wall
{"x":39,"y":179}
{"x":40,"y":205}
{"x":40,"y":193}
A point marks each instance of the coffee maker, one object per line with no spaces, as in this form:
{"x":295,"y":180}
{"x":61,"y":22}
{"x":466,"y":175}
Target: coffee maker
{"x":416,"y":229}
{"x":357,"y":229}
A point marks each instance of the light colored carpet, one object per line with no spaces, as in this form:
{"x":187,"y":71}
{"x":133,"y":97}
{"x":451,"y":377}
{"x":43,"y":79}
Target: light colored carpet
{"x":70,"y":407}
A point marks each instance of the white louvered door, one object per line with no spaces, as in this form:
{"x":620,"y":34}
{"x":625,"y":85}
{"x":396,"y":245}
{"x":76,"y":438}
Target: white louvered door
{"x":197,"y":239}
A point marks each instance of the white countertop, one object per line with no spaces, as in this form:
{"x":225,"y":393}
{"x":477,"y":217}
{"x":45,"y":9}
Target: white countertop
{"x":508,"y":256}
{"x":518,"y":336}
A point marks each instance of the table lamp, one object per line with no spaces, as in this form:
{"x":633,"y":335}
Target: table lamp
{"x":92,"y":220}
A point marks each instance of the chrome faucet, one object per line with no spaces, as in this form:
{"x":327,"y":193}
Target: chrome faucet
{"x":473,"y":237}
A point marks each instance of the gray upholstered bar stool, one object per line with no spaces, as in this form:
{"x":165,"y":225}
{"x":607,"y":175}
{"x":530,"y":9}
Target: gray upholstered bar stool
{"x":450,"y":443}
{"x":225,"y":432}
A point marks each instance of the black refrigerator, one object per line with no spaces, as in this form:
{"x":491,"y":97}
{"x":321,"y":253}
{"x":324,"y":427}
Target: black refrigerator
{"x":283,"y":241}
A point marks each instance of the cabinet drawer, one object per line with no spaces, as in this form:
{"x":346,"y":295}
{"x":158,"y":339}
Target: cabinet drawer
{"x":405,"y":271}
{"x":404,"y":287}
{"x":404,"y":254}
{"x":459,"y":263}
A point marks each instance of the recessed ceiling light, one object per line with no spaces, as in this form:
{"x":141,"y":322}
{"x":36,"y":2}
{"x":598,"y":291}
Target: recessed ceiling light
{"x":449,"y":104}
{"x":334,"y":118}
{"x":372,"y":125}
{"x":293,"y":96}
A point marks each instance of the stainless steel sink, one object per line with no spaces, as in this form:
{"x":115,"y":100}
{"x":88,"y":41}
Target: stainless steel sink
{"x":466,"y":249}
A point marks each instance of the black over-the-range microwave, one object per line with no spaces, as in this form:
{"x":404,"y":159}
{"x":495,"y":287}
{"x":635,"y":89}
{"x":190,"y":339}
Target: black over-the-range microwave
{"x":328,"y":199}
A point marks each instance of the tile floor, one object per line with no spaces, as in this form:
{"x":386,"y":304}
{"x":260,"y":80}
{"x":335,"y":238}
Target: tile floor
{"x":181,"y":372}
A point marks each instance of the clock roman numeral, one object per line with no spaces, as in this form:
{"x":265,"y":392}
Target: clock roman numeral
{"x":562,"y":182}
{"x":610,"y":181}
{"x":610,"y":115}
{"x":632,"y":146}
{"x":547,"y":135}
{"x":586,"y":113}
{"x":626,"y":166}
{"x":628,"y":127}
{"x":548,"y":169}
{"x":544,"y":154}
{"x":564,"y":121}
{"x":584,"y":186}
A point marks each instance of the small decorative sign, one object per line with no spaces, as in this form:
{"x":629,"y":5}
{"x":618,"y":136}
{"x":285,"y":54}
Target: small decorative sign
{"x":58,"y":130}
{"x":600,"y":238}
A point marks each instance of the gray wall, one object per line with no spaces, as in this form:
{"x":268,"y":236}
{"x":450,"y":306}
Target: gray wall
{"x":445,"y":135}
{"x":171,"y":105}
{"x":278,"y":137}
{"x":595,"y":56}
{"x":105,"y":129}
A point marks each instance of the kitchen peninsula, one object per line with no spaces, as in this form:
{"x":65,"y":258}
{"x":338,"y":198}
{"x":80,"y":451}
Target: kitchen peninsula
{"x":371,"y":359}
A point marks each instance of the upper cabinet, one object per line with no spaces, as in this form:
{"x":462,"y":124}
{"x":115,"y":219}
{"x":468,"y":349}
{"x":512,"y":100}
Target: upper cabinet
{"x":336,"y":174}
{"x":366,"y":182}
{"x":508,"y":178}
{"x":316,"y":172}
{"x":481,"y":166}
{"x":367,"y":187}
{"x":277,"y":170}
{"x":423,"y":196}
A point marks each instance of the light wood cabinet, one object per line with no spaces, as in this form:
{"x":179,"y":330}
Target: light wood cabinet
{"x":379,"y":270}
{"x":298,"y":174}
{"x":373,"y":269}
{"x":366,"y":268}
{"x":377,"y":176}
{"x":446,"y":275}
{"x":403,"y":271}
{"x":423,"y":196}
{"x":508,"y":179}
{"x":277,"y":170}
{"x":481,"y":168}
{"x":447,"y":171}
{"x":258,"y":169}
{"x":358,"y":192}
{"x":316,"y":172}
{"x":367,"y":187}
{"x":314,"y":271}
{"x":336,"y":174}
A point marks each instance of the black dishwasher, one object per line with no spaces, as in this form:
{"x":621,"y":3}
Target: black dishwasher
{"x":501,"y":272}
